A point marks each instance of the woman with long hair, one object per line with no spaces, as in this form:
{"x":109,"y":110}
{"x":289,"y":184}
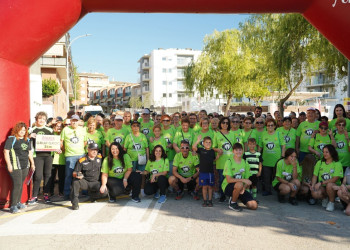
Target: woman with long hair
{"x":158,"y":168}
{"x":117,"y":174}
{"x":18,"y":154}
{"x":339,"y":112}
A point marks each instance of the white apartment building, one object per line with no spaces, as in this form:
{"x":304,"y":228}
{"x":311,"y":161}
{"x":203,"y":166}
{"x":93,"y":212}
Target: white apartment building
{"x":162,"y":76}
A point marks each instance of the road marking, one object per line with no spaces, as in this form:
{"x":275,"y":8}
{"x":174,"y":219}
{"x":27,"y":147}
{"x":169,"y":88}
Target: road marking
{"x":130,"y":219}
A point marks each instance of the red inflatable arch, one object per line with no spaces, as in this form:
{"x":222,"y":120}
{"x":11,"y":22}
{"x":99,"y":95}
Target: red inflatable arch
{"x":29,"y":28}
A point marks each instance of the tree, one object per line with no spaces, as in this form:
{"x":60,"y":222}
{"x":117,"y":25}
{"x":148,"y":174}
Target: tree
{"x":76,"y":84}
{"x":223,"y":66}
{"x":147,"y":100}
{"x":135,"y":102}
{"x":286,"y":47}
{"x":50,"y":87}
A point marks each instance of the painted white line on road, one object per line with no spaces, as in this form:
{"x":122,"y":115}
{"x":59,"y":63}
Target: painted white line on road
{"x":126,"y":221}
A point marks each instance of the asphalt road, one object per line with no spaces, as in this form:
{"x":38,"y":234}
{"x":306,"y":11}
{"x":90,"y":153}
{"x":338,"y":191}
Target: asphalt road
{"x":183,"y":224}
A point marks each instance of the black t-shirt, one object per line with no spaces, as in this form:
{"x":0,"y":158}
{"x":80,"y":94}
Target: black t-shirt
{"x":19,"y":157}
{"x":41,"y":131}
{"x":206,"y":160}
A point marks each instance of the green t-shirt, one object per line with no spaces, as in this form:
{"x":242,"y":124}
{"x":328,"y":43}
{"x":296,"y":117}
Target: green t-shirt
{"x":186,"y":167}
{"x":325,"y":171}
{"x":161,"y":141}
{"x":117,"y":135}
{"x":128,"y":127}
{"x":141,"y":144}
{"x":305,"y":131}
{"x":289,"y":136}
{"x":73,"y":140}
{"x":187,"y":136}
{"x":319,"y":141}
{"x":235,"y":170}
{"x":272,"y":150}
{"x":250,"y":134}
{"x":342,"y":149}
{"x":209,"y":133}
{"x":285,"y":172}
{"x":221,"y":142}
{"x":237,"y":134}
{"x":169,"y":137}
{"x":156,"y":167}
{"x":117,"y":170}
{"x":259,"y":135}
{"x":96,"y":137}
{"x":196,"y":128}
{"x":333,"y":127}
{"x":146,"y":129}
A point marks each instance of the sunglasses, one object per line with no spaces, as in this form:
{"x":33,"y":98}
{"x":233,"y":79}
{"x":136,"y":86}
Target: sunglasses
{"x":225,"y":123}
{"x":166,"y":121}
{"x":341,"y":125}
{"x":323,"y":128}
{"x":271,"y":125}
{"x":183,"y":114}
{"x":259,"y":122}
{"x":185,"y":148}
{"x":235,"y":121}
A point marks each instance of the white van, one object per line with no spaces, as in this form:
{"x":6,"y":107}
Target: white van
{"x":94,"y":110}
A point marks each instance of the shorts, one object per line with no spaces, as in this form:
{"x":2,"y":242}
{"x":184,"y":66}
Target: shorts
{"x":206,"y":179}
{"x":191,"y":185}
{"x":136,"y":166}
{"x":244,"y":198}
{"x":277,"y":187}
{"x":254,"y":179}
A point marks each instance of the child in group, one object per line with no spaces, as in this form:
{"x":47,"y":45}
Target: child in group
{"x":254,"y":159}
{"x":206,"y":169}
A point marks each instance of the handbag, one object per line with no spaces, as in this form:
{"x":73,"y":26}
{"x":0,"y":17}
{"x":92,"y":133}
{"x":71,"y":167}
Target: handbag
{"x":141,"y":159}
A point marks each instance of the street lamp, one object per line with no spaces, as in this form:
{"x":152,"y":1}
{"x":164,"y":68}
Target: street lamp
{"x":67,"y":71}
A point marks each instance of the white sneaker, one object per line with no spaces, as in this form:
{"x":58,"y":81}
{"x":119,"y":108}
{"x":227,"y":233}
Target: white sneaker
{"x":330,"y":206}
{"x":325,"y":202}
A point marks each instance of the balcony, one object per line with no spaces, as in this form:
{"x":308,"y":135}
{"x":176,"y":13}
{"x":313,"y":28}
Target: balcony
{"x":145,"y":77}
{"x":145,"y":89}
{"x":52,"y":61}
{"x":145,"y":65}
{"x":320,"y":85}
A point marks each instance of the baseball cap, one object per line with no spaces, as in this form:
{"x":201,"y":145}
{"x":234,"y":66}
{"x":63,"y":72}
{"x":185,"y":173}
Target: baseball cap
{"x":323,"y":124}
{"x":145,"y":111}
{"x":134,"y":122}
{"x":93,"y":146}
{"x":118,"y":117}
{"x":59,"y":119}
{"x":311,"y":109}
{"x":75,"y":117}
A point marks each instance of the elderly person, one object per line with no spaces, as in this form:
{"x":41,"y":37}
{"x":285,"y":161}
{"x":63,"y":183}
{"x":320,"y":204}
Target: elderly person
{"x":118,"y":133}
{"x":95,"y":136}
{"x":18,"y":154}
{"x":288,"y":133}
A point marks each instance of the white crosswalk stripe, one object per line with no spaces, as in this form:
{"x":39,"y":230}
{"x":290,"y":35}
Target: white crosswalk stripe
{"x":132,"y":218}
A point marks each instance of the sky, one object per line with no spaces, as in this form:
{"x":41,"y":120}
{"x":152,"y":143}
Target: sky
{"x":119,"y":40}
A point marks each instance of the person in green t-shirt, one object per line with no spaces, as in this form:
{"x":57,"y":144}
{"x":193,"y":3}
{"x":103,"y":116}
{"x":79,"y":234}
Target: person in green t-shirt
{"x":194,"y":126}
{"x":184,"y":172}
{"x":288,"y":133}
{"x":118,"y":133}
{"x":288,"y":175}
{"x":341,"y":138}
{"x":339,"y":112}
{"x":320,"y":139}
{"x":304,"y":133}
{"x":259,"y":125}
{"x":236,"y":181}
{"x":327,"y":174}
{"x":169,"y":133}
{"x":127,"y":121}
{"x":117,"y":174}
{"x":272,"y":146}
{"x":236,"y":131}
{"x":158,"y":139}
{"x":184,"y":134}
{"x":204,"y":132}
{"x":146,"y":124}
{"x":58,"y":164}
{"x":95,"y":136}
{"x":158,"y":167}
{"x":247,"y":132}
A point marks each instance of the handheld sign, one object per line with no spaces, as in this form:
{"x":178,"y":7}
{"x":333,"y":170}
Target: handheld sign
{"x":47,"y":143}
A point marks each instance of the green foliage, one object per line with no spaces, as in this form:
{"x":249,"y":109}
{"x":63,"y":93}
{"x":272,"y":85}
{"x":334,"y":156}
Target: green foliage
{"x":50,"y":87}
{"x":76,"y":84}
{"x":135,"y":102}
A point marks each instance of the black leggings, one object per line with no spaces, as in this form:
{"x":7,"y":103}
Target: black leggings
{"x":162,"y":184}
{"x":43,"y":167}
{"x":115,"y":186}
{"x":61,"y":169}
{"x":267,"y":176}
{"x":18,"y":176}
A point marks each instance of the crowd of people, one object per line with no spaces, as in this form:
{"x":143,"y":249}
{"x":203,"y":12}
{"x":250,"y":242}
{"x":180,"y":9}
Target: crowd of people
{"x":225,"y":157}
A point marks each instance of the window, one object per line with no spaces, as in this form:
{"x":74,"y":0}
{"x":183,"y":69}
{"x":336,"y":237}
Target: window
{"x":164,"y":82}
{"x":180,"y":73}
{"x":164,"y":94}
{"x":164,"y":58}
{"x":164,"y":70}
{"x":170,"y":95}
{"x":180,"y":84}
{"x":169,"y":70}
{"x":170,"y":83}
{"x":184,"y":60}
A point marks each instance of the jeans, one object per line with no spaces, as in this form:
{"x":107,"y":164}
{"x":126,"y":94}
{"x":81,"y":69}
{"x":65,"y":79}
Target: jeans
{"x":170,"y":173}
{"x":70,"y":165}
{"x":137,"y":166}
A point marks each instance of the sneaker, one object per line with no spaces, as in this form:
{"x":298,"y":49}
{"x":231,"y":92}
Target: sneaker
{"x":14,"y":209}
{"x":217,"y":195}
{"x":162,"y":199}
{"x":330,"y":207}
{"x":33,"y":201}
{"x":311,"y":201}
{"x":222,"y":199}
{"x":75,"y":207}
{"x":156,"y":195}
{"x":337,"y":199}
{"x":47,"y":198}
{"x":293,"y":201}
{"x":195,"y":195}
{"x":179,"y":195}
{"x":205,"y":203}
{"x":266,"y":193}
{"x":210,"y":203}
{"x":325,"y":202}
{"x":112,"y":200}
{"x":136,"y":199}
{"x":21,"y":205}
{"x":281,"y":198}
{"x":234,"y":206}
